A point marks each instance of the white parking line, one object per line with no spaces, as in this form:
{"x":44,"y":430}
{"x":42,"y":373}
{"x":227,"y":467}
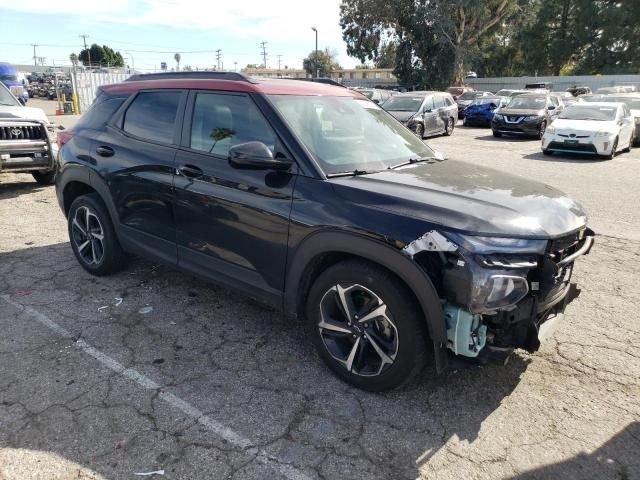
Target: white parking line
{"x":210,"y":424}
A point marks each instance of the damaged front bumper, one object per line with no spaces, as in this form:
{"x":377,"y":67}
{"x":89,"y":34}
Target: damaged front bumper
{"x":505,"y":293}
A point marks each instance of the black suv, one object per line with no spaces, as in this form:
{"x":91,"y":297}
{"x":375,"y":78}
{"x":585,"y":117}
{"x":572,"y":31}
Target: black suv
{"x":314,"y":200}
{"x":526,"y":115}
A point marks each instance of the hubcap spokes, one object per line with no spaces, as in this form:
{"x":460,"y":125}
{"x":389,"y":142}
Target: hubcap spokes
{"x":357,"y":329}
{"x":88,"y":236}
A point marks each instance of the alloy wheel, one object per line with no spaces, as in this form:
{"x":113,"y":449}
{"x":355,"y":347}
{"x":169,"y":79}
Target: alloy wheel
{"x":357,"y":329}
{"x":419,"y":131}
{"x":450,"y":126}
{"x":87,"y":235}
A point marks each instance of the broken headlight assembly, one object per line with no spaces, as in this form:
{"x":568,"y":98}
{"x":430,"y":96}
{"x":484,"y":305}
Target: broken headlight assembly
{"x":491,"y":274}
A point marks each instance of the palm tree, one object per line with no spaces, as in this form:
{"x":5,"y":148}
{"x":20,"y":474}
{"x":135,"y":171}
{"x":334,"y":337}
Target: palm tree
{"x":177,"y":56}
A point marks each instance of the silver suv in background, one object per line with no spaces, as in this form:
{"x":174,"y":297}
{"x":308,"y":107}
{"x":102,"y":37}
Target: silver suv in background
{"x":425,"y":113}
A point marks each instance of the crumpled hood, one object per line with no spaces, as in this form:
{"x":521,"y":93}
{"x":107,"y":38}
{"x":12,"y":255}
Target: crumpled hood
{"x":485,"y":107}
{"x":469,"y":198}
{"x":401,"y":115}
{"x":29,"y":113}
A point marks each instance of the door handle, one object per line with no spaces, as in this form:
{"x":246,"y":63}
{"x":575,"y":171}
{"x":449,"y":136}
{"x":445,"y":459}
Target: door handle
{"x":105,"y":151}
{"x":191,"y":171}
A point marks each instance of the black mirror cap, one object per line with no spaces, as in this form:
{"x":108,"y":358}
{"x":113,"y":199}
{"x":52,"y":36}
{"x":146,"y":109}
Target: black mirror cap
{"x":256,"y":155}
{"x":22,"y":100}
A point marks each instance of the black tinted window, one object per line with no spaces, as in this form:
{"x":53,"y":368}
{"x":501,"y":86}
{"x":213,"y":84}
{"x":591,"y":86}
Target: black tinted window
{"x":152,"y":115}
{"x":100,"y":112}
{"x":222,"y":121}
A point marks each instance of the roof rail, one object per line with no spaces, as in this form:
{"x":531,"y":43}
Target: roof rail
{"x":186,"y":75}
{"x":325,"y":80}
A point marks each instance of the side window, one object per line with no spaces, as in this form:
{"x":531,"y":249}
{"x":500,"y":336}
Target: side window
{"x":448,"y":100}
{"x":428,"y":104}
{"x":152,"y":116}
{"x":221,"y":121}
{"x":99,"y":113}
{"x":438,"y":101}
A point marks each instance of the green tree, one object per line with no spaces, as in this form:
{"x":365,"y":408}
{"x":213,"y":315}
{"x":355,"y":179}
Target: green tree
{"x":97,"y":55}
{"x":322,"y":61}
{"x":442,"y":35}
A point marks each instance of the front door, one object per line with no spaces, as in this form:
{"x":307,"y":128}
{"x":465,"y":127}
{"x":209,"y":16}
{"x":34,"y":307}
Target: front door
{"x":232,"y":223}
{"x":430,"y":115}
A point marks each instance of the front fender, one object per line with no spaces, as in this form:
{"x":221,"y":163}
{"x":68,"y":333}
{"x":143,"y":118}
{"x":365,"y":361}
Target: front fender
{"x":392,"y":259}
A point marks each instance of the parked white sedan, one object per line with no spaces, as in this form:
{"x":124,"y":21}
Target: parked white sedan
{"x":596,"y":128}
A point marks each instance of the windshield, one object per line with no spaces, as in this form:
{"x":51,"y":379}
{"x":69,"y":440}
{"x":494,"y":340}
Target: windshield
{"x":589,"y":112}
{"x":7,"y":98}
{"x":346,"y":133}
{"x":367,"y":93}
{"x":528,"y":103}
{"x":632,"y":102}
{"x":468,"y":96}
{"x":485,"y":100}
{"x":404,"y":103}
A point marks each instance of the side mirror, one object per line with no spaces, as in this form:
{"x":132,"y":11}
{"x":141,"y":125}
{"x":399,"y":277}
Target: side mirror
{"x":22,"y":100}
{"x":551,"y":107}
{"x":255,"y":155}
{"x":376,"y":101}
{"x":427,"y":110}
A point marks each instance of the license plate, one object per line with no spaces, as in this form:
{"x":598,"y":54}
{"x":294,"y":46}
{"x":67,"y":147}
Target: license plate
{"x":571,"y":142}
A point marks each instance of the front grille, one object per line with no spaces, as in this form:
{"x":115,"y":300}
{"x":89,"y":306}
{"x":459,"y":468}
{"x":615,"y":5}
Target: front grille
{"x":573,"y":147}
{"x":22,"y":132}
{"x":572,"y":135}
{"x":513,"y":119}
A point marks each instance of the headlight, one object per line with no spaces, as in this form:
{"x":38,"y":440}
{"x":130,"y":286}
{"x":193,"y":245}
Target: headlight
{"x":603,"y":133}
{"x":550,"y":129}
{"x":484,"y":245}
{"x":532,"y":117}
{"x":498,"y":116}
{"x":491,"y":291}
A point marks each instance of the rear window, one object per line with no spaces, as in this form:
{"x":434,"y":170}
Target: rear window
{"x":152,"y":116}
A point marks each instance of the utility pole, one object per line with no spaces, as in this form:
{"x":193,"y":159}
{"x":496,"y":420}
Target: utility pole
{"x":316,"y":53}
{"x":35,"y":58}
{"x":279,"y":60}
{"x":263,"y":45}
{"x":218,"y":57}
{"x":84,"y":37}
{"x":235,"y":66}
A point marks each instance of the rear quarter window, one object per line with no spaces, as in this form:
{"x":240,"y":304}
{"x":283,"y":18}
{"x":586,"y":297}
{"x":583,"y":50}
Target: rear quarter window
{"x":100,"y":112}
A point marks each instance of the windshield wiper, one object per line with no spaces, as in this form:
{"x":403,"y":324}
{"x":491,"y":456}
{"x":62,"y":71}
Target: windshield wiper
{"x":416,"y":160}
{"x":352,"y":173}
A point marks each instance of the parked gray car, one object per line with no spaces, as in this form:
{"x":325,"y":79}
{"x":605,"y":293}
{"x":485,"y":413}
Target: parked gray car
{"x":424,"y":113}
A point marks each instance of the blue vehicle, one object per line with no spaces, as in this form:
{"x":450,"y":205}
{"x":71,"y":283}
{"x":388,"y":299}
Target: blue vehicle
{"x":482,"y":109}
{"x":9,"y":76}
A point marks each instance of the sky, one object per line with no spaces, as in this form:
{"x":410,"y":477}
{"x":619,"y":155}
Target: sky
{"x":148,"y":32}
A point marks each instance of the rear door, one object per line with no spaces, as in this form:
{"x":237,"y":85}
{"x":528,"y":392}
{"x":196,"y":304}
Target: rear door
{"x":136,"y":156}
{"x":233,"y":223}
{"x":430,"y":115}
{"x":443,"y":113}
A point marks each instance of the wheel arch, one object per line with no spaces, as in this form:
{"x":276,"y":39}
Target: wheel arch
{"x":323,"y":249}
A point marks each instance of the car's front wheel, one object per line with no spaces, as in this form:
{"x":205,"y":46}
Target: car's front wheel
{"x":449,"y":127}
{"x":44,"y":178}
{"x":541,"y":129}
{"x":613,"y":150}
{"x":366,"y":326}
{"x":93,"y":238}
{"x":419,"y":131}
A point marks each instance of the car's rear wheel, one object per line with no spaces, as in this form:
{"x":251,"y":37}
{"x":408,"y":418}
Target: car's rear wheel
{"x":448,"y":130}
{"x":420,"y":131}
{"x":44,"y":178}
{"x":93,"y":238}
{"x":366,"y":326}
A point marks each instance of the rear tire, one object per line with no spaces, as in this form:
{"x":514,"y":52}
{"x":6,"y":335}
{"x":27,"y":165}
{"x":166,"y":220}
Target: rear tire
{"x":44,"y":178}
{"x":377,"y":354}
{"x":92,"y":236}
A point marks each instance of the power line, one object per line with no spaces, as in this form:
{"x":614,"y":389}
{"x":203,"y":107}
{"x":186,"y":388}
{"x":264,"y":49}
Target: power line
{"x":263,"y":45}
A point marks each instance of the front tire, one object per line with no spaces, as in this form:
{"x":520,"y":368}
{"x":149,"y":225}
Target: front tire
{"x":419,"y":131}
{"x":612,"y":155}
{"x":448,"y":129}
{"x":92,"y":236}
{"x":547,"y":152}
{"x":541,"y":130}
{"x":44,"y":178}
{"x":366,"y":326}
{"x":496,"y":134}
